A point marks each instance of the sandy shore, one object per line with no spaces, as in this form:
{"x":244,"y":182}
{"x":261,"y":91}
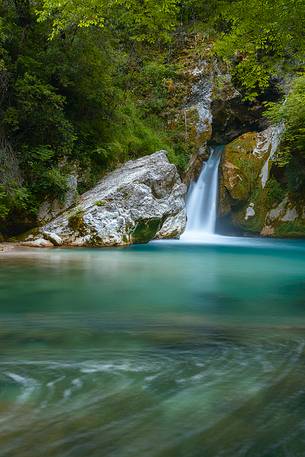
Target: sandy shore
{"x":9,"y":247}
{"x":6,"y":248}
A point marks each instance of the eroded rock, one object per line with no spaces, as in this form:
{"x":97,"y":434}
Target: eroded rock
{"x":252,"y":199}
{"x":141,"y":200}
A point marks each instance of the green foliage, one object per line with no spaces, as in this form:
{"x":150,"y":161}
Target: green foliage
{"x":139,"y":20}
{"x":291,"y":155}
{"x":275,"y":191}
{"x":76,"y":222}
{"x":138,"y":135}
{"x":101,"y":203}
{"x":294,"y":229}
{"x":73,"y":102}
{"x":40,"y":111}
{"x":13,"y":202}
{"x":88,"y":85}
{"x":292,"y":113}
{"x":154,"y":83}
{"x":259,"y":36}
{"x":4,"y":210}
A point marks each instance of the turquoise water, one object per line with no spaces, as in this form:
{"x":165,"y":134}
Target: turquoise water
{"x":164,"y":350}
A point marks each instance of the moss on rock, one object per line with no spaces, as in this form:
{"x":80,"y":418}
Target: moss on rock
{"x":76,"y":222}
{"x":241,"y":167}
{"x":146,"y":230}
{"x":295,"y":229}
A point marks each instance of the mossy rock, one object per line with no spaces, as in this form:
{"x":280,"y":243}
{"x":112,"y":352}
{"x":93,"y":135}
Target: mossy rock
{"x":146,"y":230}
{"x":263,"y":199}
{"x":194,"y":137}
{"x":295,"y":229}
{"x":244,"y":144}
{"x":101,"y":203}
{"x":224,"y":205}
{"x":241,"y":168}
{"x":76,"y":222}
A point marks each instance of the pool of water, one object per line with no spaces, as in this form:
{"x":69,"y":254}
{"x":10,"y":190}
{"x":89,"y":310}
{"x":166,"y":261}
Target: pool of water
{"x":164,"y":350}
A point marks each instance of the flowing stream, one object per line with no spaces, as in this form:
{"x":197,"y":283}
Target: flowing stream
{"x":202,"y":200}
{"x":164,"y":350}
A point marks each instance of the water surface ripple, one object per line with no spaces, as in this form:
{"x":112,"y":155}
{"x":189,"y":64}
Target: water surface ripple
{"x":165,"y":350}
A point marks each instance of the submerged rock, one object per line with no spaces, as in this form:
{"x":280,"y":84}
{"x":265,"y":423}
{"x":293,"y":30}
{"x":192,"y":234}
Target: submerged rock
{"x":142,"y":200}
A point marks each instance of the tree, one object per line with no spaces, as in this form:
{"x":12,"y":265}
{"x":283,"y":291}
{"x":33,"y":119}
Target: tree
{"x":259,"y":37}
{"x":145,"y":20}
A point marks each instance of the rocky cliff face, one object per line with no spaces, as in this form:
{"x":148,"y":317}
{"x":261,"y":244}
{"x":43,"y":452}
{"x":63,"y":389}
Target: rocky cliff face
{"x":215,"y":112}
{"x":249,"y":196}
{"x":142,"y":200}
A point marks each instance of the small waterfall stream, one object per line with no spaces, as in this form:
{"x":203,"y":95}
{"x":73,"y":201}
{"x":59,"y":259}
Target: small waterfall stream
{"x":202,"y":200}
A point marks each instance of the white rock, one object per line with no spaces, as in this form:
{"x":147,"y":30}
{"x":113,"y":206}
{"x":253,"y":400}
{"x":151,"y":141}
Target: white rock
{"x":139,"y":201}
{"x":38,"y":243}
{"x":172,"y":226}
{"x":250,"y":212}
{"x":290,"y":215}
{"x":277,"y":212}
{"x":55,"y":239}
{"x":268,"y":141}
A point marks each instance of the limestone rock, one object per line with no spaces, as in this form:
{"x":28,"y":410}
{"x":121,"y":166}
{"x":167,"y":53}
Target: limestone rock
{"x":53,"y":238}
{"x":267,"y":231}
{"x":250,"y":212}
{"x":232,"y":117}
{"x":290,"y":215}
{"x":241,"y":167}
{"x":172,"y":226}
{"x":37,"y":243}
{"x":285,"y":220}
{"x":141,"y":200}
{"x":278,"y":211}
{"x":198,"y":117}
{"x":251,"y":199}
{"x":49,"y":209}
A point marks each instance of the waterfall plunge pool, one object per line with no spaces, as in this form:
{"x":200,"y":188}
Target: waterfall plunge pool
{"x":164,"y":350}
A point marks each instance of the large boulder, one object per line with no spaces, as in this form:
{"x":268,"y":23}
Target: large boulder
{"x":142,"y":200}
{"x":251,"y":199}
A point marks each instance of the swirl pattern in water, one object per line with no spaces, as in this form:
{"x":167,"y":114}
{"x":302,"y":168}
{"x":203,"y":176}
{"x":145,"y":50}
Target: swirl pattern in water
{"x":157,"y":351}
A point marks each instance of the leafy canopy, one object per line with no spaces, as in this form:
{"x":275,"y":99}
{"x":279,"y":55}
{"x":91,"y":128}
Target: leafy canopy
{"x":261,"y":36}
{"x":144,"y":20}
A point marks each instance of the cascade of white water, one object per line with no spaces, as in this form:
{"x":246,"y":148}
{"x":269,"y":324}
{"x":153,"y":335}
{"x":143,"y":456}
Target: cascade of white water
{"x":202,"y":199}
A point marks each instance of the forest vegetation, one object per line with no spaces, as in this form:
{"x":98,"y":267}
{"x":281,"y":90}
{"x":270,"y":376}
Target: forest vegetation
{"x":88,"y":85}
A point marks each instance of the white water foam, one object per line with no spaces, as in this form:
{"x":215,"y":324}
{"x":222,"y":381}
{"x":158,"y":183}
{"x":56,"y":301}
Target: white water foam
{"x":202,"y":201}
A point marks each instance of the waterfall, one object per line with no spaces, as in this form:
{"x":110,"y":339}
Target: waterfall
{"x":202,"y":200}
